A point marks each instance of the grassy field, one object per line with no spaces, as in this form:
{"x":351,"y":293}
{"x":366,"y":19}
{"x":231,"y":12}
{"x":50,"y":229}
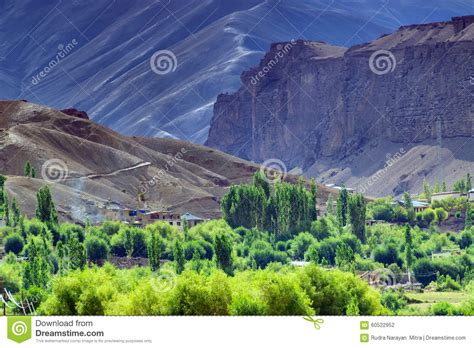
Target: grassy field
{"x":426,"y":299}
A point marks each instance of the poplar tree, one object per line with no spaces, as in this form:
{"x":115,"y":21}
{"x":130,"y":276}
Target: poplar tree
{"x":178,"y":256}
{"x":223,"y":253}
{"x":46,"y":210}
{"x":341,"y":207}
{"x":154,"y":250}
{"x":357,"y":211}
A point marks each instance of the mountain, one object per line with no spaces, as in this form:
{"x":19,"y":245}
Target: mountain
{"x":90,"y":167}
{"x":381,"y":116}
{"x":95,"y":55}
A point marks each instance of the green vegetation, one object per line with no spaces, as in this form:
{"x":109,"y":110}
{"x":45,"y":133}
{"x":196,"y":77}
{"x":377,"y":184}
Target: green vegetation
{"x":245,"y":263}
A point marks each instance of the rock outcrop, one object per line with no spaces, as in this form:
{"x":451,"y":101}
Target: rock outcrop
{"x":76,"y":113}
{"x":309,"y":101}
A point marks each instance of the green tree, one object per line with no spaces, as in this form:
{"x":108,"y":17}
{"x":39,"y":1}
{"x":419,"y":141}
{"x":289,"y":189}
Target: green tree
{"x":345,"y":258}
{"x":427,"y":190}
{"x":357,"y":212}
{"x":429,"y":215}
{"x":154,"y":250}
{"x":408,"y":249}
{"x":46,"y":211}
{"x":441,"y":215}
{"x":75,"y":253}
{"x":223,"y":253}
{"x":2,"y":181}
{"x":330,"y":205}
{"x":409,"y":208}
{"x":16,"y":214}
{"x":468,"y":182}
{"x":128,"y":241}
{"x":444,"y":187}
{"x":468,"y":219}
{"x":342,"y":207}
{"x":27,"y":169}
{"x":13,"y":243}
{"x":96,"y":249}
{"x":459,"y":185}
{"x":178,"y":256}
{"x":436,"y":188}
{"x":6,"y":209}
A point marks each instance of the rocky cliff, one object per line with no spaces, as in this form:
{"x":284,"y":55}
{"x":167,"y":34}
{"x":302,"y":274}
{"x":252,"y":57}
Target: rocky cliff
{"x":309,"y":101}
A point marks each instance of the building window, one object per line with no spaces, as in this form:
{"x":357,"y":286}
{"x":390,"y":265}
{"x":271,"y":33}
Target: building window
{"x":178,"y":223}
{"x":171,"y":222}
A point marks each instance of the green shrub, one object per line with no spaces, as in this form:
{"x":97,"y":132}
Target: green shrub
{"x":96,"y":249}
{"x":13,"y":243}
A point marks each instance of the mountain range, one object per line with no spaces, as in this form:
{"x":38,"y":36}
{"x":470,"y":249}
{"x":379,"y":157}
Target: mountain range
{"x":382,"y":117}
{"x":92,"y":169}
{"x":95,"y":55}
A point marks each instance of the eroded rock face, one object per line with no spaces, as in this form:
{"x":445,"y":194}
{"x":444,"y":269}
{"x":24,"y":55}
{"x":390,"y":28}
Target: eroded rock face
{"x":319,"y":101}
{"x":76,"y":113}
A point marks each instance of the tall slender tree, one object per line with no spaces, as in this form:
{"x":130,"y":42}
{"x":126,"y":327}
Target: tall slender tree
{"x":178,"y":256}
{"x":154,"y":250}
{"x":357,"y":212}
{"x":409,"y":208}
{"x":223,"y":253}
{"x":45,"y":208}
{"x":342,"y":207}
{"x":468,"y":219}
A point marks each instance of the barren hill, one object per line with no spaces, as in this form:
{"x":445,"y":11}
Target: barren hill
{"x":89,"y":166}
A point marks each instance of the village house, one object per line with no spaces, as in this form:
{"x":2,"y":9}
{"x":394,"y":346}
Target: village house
{"x":348,"y":189}
{"x":144,"y":217}
{"x":418,"y":206}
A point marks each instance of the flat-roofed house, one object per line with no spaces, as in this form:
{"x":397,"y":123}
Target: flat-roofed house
{"x":192,"y":220}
